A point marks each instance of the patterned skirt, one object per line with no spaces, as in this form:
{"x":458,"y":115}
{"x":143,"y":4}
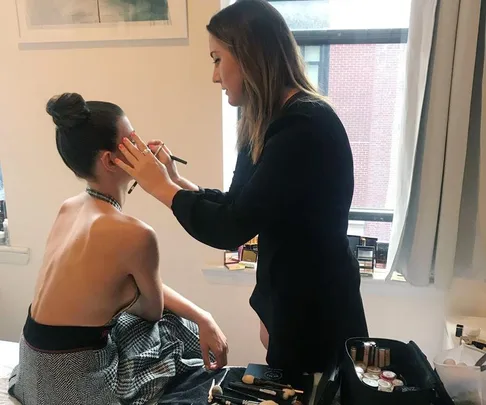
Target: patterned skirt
{"x":135,"y":366}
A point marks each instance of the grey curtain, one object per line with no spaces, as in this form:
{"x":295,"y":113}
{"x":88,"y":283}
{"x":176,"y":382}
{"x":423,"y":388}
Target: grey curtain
{"x":437,"y":224}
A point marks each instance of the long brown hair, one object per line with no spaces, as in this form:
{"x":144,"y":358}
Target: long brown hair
{"x":270,"y":61}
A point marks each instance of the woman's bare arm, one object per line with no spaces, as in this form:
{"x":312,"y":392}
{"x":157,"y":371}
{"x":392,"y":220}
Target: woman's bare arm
{"x":145,"y":258}
{"x":186,"y":184}
{"x":182,"y":307}
{"x":211,"y":337}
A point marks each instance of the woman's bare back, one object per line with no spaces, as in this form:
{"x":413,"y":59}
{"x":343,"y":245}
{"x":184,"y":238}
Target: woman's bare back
{"x":85,"y":277}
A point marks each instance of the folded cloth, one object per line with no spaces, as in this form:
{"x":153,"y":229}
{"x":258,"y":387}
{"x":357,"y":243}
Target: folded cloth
{"x":193,"y":387}
{"x":138,"y":361}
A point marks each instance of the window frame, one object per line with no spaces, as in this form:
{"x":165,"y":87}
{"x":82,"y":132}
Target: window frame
{"x":326,"y":38}
{"x":351,"y":36}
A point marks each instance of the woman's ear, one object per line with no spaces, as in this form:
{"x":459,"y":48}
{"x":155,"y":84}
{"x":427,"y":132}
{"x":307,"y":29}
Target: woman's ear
{"x":108,"y":161}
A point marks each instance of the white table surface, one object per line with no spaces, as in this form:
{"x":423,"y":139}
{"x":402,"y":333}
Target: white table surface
{"x":451,"y":340}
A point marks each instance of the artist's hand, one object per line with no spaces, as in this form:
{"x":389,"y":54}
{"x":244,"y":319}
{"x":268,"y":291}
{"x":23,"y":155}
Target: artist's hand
{"x":212,"y":339}
{"x":148,"y":171}
{"x":164,"y":157}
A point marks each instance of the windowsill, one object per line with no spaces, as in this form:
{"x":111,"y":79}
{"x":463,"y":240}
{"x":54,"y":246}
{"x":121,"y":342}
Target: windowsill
{"x":376,"y":285}
{"x":221,"y":275}
{"x":14,"y":255}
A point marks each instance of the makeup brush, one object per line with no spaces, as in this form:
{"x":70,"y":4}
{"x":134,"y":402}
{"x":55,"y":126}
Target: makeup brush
{"x":245,"y":394}
{"x":285,"y":394}
{"x":233,"y":401}
{"x":210,"y":392}
{"x":251,"y":380}
{"x":224,"y":376}
{"x":175,"y":158}
{"x":216,"y":390}
{"x":217,"y":393}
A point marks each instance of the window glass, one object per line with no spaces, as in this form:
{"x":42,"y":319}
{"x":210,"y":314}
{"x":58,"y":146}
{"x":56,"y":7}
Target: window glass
{"x":344,"y":14}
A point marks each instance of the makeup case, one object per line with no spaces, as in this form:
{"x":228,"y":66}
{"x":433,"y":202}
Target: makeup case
{"x":421,"y":384}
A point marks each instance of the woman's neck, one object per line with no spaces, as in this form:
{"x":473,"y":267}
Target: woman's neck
{"x":288,"y":94}
{"x":115,"y":191}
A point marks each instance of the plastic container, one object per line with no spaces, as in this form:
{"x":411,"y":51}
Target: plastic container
{"x":466,"y":384}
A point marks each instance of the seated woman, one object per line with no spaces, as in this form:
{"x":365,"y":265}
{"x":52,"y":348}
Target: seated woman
{"x":102,"y":327}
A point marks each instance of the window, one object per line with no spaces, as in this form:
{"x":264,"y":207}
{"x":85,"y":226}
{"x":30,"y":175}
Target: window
{"x":355,"y":53}
{"x":3,"y":212}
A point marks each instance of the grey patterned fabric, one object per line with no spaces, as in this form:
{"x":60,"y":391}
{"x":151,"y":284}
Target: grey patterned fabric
{"x":134,"y":368}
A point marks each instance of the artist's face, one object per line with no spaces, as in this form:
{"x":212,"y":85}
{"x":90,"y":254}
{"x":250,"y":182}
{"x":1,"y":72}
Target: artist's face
{"x":227,"y":72}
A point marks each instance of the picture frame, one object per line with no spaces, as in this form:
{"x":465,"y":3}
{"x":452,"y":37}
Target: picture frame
{"x":44,"y":21}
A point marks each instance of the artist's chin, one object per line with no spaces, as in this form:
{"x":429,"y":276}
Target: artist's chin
{"x":233,"y":102}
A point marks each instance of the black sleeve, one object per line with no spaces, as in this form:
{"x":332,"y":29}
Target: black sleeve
{"x":217,"y":196}
{"x":282,"y":175}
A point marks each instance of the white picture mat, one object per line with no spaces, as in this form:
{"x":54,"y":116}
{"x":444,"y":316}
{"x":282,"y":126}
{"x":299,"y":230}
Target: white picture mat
{"x":175,"y":28}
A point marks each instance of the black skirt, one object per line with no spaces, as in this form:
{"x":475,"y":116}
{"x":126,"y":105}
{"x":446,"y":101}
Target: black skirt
{"x":307,"y":329}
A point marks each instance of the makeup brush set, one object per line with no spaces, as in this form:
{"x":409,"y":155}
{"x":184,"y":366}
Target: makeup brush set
{"x":253,"y":390}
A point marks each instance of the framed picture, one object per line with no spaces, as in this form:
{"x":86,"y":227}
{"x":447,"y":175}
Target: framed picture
{"x":101,"y":20}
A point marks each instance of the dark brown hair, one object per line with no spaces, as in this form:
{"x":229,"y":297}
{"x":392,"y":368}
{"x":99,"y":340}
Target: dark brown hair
{"x":83,"y":129}
{"x":270,"y":61}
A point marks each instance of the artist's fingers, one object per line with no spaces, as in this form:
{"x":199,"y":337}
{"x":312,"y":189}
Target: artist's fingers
{"x":131,"y":148}
{"x":155,"y":142}
{"x":205,"y":355}
{"x":154,"y":148}
{"x":160,"y":152}
{"x":164,"y":154}
{"x":125,"y":167}
{"x":221,"y":357}
{"x":128,"y":154}
{"x":166,"y":149}
{"x":140,"y":144}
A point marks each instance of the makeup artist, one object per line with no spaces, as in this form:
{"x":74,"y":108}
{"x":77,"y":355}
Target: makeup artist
{"x":292,"y":185}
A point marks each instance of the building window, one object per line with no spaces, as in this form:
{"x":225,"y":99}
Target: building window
{"x":3,"y":213}
{"x":355,"y":54}
{"x":364,"y":83}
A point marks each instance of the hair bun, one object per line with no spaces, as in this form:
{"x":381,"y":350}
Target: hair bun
{"x":68,"y":110}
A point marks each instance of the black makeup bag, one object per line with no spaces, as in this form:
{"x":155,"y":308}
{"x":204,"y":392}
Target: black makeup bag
{"x":422,"y":385}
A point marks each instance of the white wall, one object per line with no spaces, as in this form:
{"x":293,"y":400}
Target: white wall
{"x":166,"y":90}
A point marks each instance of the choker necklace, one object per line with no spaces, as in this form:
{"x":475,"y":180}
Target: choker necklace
{"x":104,"y":197}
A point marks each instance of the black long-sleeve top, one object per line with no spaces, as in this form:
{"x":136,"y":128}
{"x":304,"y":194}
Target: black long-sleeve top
{"x":296,"y":198}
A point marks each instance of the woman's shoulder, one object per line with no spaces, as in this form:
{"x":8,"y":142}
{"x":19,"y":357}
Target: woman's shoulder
{"x":128,"y":236}
{"x":309,"y":116}
{"x":305,"y":111}
{"x":106,"y":222}
{"x":123,"y":227}
{"x":117,"y":229}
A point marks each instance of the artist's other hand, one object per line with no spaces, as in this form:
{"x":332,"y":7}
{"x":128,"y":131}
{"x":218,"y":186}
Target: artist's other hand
{"x":164,"y":157}
{"x":148,"y":171}
{"x":212,"y":339}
